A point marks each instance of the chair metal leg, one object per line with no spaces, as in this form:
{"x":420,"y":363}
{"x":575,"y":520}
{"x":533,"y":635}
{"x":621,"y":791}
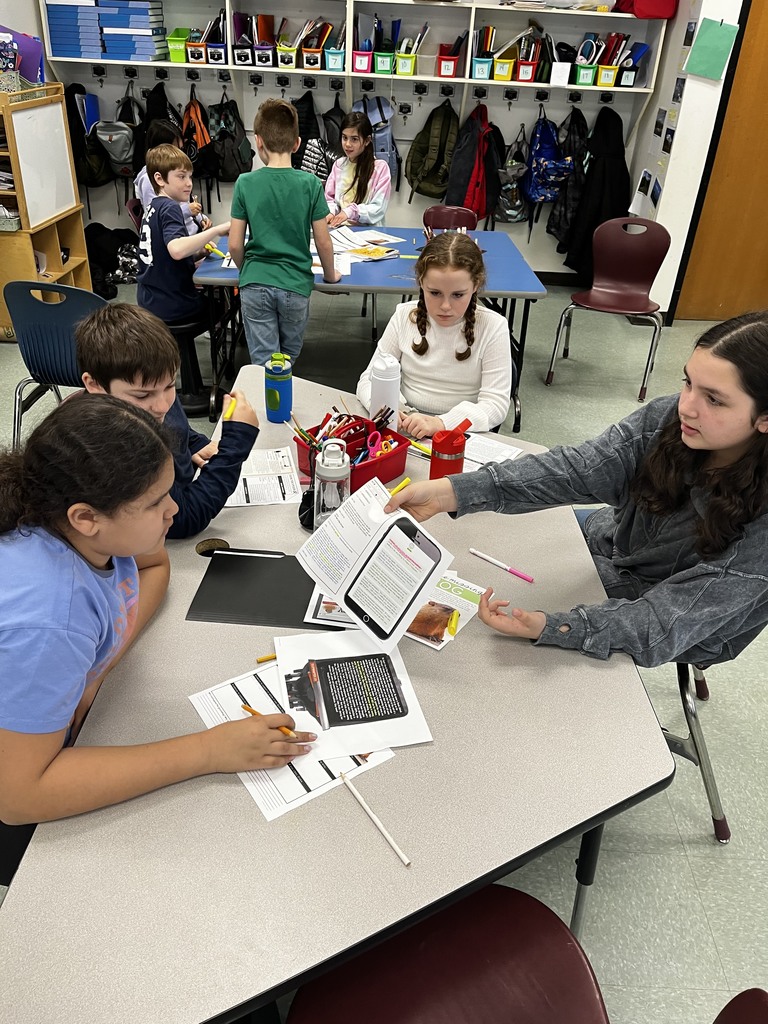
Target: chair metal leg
{"x":18,"y":397}
{"x":565,"y":321}
{"x":567,"y":340}
{"x":694,"y":749}
{"x":364,"y":310}
{"x":700,"y":682}
{"x":657,"y":326}
{"x":57,"y":391}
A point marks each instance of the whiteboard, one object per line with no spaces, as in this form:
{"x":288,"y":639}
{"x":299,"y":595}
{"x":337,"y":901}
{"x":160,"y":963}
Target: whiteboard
{"x":46,"y":172}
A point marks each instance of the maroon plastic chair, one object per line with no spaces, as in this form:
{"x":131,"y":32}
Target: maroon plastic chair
{"x":448,"y":218}
{"x":497,"y":956}
{"x":749,"y":1007}
{"x":626,"y":264}
{"x":135,"y":210}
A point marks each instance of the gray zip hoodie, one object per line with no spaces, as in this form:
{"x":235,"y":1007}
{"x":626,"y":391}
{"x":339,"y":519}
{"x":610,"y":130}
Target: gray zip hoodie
{"x":664,"y":602}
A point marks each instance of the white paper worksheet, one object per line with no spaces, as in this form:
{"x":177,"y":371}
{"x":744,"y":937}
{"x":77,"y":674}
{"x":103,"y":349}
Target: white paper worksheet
{"x":278,"y":790}
{"x":267,"y":477}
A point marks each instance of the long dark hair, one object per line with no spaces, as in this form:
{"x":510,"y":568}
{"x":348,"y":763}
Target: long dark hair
{"x":738,"y":493}
{"x":364,"y":163}
{"x":448,"y":251}
{"x":93,"y":449}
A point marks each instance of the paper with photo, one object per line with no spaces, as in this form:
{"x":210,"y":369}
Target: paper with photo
{"x":450,"y":594}
{"x":324,"y":611}
{"x":278,"y":790}
{"x":360,"y":554}
{"x":267,"y":477}
{"x":353,"y":690}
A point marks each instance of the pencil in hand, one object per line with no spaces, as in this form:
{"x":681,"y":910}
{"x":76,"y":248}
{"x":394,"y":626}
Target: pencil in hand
{"x":282,"y":728}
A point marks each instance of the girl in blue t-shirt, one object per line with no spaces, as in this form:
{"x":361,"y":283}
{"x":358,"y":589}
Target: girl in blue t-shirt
{"x":84,"y":511}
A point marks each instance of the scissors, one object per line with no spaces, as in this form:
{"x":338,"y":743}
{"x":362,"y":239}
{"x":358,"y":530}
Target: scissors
{"x":384,"y":449}
{"x":373,"y":443}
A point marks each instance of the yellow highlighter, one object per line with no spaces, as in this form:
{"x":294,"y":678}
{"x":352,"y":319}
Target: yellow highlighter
{"x":210,"y":247}
{"x":230,"y":409}
{"x":453,"y":622}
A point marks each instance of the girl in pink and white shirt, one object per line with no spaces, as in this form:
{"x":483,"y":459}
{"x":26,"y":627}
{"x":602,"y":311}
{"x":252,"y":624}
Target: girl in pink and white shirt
{"x":359,"y":185}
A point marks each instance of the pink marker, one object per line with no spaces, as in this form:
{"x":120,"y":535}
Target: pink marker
{"x":501,"y":565}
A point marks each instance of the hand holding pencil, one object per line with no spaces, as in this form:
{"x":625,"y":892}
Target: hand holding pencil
{"x":254,"y":742}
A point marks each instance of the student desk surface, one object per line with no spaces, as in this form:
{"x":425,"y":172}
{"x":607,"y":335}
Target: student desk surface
{"x":508,"y":278}
{"x":183,"y":904}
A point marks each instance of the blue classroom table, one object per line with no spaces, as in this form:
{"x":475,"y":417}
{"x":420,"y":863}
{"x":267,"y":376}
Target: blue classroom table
{"x":509,"y":279}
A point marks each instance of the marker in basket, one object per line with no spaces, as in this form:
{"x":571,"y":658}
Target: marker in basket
{"x":281,"y":728}
{"x":501,"y":565}
{"x":374,"y":818}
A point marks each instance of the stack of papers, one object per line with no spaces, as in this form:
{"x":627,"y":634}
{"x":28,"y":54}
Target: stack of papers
{"x":267,"y":477}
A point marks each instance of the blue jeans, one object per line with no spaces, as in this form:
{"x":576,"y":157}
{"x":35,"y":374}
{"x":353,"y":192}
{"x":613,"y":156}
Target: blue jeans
{"x":274,"y":321}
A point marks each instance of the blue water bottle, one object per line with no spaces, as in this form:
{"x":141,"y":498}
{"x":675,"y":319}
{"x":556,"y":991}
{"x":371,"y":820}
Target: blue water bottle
{"x":278,"y":388}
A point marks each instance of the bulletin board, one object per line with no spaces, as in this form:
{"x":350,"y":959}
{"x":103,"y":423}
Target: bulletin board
{"x":43,"y":149}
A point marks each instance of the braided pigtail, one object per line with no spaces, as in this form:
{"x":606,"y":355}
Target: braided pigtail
{"x":469,"y":329}
{"x":422,"y":322}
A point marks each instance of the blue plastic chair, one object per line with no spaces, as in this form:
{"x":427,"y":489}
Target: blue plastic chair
{"x":45,"y":331}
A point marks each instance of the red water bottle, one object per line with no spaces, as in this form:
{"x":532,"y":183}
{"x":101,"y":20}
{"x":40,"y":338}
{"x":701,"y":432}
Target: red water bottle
{"x":448,"y":451}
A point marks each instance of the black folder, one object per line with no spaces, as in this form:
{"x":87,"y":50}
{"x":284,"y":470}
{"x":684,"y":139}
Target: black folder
{"x":254,"y":588}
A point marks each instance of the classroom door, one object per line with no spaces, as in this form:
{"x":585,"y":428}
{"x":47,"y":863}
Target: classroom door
{"x":727,"y":273}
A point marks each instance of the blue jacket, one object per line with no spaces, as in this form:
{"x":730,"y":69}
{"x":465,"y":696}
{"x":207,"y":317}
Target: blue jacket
{"x":201,"y":499}
{"x":665,"y":603}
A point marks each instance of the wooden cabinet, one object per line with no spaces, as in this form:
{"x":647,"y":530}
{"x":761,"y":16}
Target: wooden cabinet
{"x":50,"y":243}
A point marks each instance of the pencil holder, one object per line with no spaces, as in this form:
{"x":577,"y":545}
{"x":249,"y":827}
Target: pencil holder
{"x":383,"y":63}
{"x":264,"y":56}
{"x":386,"y":467}
{"x":584,"y":74}
{"x":503,"y":68}
{"x":626,"y":78}
{"x":334,"y":59}
{"x":196,"y":53}
{"x":425,"y":64}
{"x":242,"y":56}
{"x":447,"y":66}
{"x":362,"y":61}
{"x":286,"y":56}
{"x":217,"y":53}
{"x":405,"y":63}
{"x":482,"y":67}
{"x":525,"y":70}
{"x":177,"y":45}
{"x":312,"y":59}
{"x":606,"y":76}
{"x":560,"y":73}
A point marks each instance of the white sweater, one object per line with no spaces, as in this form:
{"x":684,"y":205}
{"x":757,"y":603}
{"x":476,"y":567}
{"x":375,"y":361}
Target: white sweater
{"x":477,"y":388}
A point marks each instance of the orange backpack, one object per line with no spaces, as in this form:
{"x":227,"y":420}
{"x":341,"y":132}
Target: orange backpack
{"x":196,"y":138}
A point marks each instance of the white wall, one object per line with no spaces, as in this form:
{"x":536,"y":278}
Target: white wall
{"x":693,"y":134}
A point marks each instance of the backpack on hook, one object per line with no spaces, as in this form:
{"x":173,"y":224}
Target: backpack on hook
{"x":547,"y":168}
{"x":380,"y":112}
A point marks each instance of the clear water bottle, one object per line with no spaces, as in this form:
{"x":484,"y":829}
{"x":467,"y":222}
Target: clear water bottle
{"x":331,"y":479}
{"x":278,"y":388}
{"x":385,"y":387}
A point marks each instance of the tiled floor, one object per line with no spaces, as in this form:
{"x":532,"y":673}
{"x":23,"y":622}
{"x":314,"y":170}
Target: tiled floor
{"x":676,"y":923}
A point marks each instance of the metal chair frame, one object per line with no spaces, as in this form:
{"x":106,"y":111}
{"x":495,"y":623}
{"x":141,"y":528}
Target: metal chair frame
{"x":626,"y":265}
{"x":693,"y":746}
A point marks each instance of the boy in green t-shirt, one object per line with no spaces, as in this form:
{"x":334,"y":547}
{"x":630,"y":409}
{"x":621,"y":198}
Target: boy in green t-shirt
{"x":279,"y":205}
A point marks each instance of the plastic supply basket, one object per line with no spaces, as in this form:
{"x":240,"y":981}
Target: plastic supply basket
{"x":385,"y":467}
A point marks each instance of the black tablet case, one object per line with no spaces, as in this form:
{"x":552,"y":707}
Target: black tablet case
{"x":254,"y":588}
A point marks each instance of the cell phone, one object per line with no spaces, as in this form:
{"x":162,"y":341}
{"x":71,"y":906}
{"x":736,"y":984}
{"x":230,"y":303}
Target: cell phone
{"x":382,"y":592}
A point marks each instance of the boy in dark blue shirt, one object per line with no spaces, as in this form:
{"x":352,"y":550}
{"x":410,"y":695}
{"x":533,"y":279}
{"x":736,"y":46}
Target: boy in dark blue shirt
{"x":166,"y":252}
{"x":127,"y":352}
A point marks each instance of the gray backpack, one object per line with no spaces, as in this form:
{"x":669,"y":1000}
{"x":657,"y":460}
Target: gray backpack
{"x":117,"y":139}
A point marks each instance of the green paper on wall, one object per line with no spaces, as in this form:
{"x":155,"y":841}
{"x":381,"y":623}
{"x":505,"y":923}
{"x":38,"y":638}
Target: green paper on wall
{"x":711,"y":49}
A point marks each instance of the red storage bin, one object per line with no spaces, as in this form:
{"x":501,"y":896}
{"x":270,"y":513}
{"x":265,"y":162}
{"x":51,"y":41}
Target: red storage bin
{"x":385,"y":467}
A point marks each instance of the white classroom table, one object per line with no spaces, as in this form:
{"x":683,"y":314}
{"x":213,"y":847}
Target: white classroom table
{"x":186,"y":906}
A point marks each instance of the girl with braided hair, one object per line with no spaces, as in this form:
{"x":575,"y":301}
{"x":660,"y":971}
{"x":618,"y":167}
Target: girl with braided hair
{"x":454,"y":353}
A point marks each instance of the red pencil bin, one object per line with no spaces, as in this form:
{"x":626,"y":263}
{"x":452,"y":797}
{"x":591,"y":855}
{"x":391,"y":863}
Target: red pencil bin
{"x":385,"y":467}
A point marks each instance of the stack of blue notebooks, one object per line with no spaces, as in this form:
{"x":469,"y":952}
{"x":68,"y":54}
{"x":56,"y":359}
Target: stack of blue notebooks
{"x":74,"y":29}
{"x":133,"y":29}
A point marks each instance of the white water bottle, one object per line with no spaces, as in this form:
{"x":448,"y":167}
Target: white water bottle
{"x":385,"y":387}
{"x":332,"y":479}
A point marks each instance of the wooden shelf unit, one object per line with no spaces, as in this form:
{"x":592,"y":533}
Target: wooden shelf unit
{"x":58,"y":237}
